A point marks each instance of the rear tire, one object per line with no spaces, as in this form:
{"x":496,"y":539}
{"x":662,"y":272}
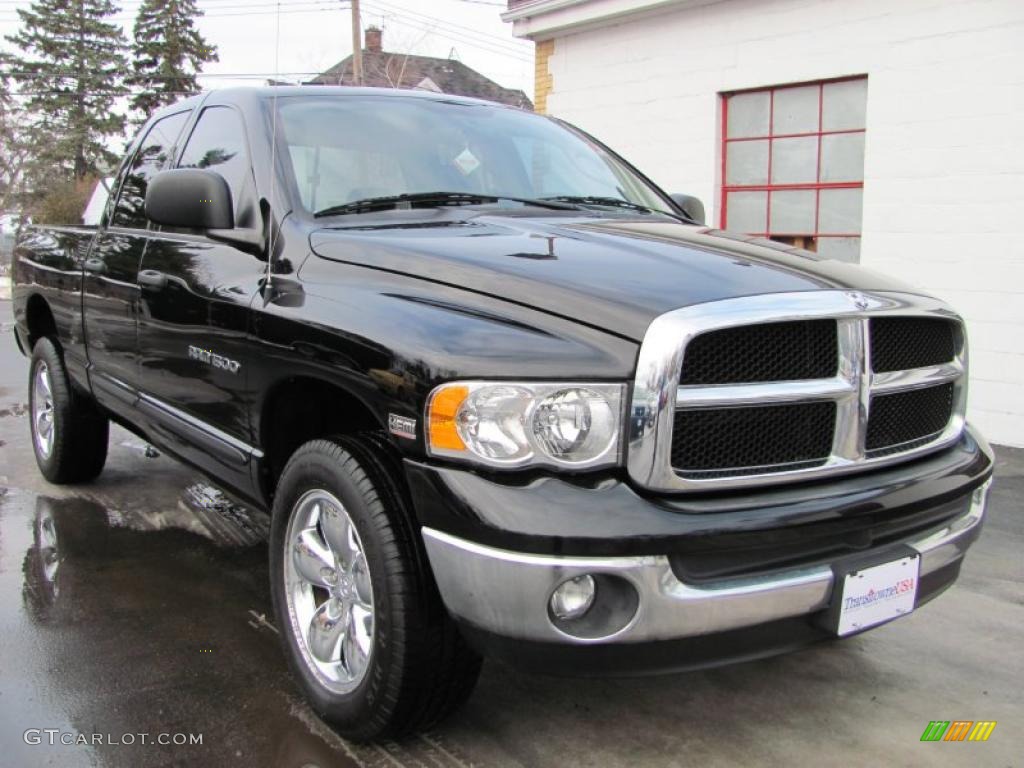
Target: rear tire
{"x":69,"y":434}
{"x":375,"y":580}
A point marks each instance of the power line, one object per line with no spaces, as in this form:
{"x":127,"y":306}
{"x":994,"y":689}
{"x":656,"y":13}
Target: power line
{"x":128,"y":19}
{"x":413,"y":18}
{"x":69,"y":73}
{"x":454,"y":36}
{"x":97,"y":92}
{"x":319,"y":6}
{"x":447,"y":30}
{"x":466,"y":41}
{"x":513,"y":43}
{"x":216,"y":4}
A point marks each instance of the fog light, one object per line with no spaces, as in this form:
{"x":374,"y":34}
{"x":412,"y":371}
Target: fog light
{"x":573,"y":598}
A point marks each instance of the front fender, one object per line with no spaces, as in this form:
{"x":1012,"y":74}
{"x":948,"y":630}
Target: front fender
{"x":389,"y":339}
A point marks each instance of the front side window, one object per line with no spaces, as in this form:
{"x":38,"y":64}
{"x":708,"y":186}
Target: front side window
{"x":344,"y":149}
{"x":218,"y":144}
{"x":794,"y":165}
{"x":151,"y":157}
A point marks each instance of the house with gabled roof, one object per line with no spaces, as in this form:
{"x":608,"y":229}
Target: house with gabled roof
{"x":384,"y":69}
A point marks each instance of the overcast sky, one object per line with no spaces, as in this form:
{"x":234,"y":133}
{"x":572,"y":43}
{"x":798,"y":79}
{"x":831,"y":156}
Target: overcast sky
{"x":305,"y":37}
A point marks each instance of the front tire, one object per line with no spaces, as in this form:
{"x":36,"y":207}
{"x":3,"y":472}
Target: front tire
{"x":69,"y":434}
{"x":362,"y":623}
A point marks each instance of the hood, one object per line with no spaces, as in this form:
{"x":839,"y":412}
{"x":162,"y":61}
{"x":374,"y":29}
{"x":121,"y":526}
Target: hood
{"x":616,"y":274}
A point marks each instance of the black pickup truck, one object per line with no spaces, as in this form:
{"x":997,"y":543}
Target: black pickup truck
{"x":500,"y":394}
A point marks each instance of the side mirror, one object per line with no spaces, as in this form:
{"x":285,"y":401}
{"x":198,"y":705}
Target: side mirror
{"x":691,"y":206}
{"x":190,"y":197}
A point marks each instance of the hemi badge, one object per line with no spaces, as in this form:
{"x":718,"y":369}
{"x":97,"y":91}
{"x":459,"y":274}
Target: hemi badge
{"x":402,"y":426}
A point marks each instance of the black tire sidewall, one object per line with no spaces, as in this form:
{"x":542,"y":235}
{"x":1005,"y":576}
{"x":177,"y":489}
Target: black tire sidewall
{"x":44,"y":351}
{"x":322,"y":464}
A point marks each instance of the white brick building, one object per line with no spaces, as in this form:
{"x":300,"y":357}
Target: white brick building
{"x":904,"y":151}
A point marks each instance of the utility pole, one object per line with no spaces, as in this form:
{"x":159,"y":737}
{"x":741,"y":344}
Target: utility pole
{"x":357,"y":45}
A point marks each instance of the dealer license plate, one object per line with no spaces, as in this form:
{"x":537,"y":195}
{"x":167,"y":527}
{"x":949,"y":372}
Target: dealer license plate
{"x":877,"y":594}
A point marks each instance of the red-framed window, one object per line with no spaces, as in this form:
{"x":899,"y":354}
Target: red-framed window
{"x":793,"y":164}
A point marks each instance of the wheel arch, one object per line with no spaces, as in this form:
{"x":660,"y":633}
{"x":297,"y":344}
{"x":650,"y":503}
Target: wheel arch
{"x":300,"y":408}
{"x":39,"y":321}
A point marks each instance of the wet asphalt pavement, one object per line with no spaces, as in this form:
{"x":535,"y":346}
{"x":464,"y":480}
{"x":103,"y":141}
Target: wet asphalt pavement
{"x":140,"y":604}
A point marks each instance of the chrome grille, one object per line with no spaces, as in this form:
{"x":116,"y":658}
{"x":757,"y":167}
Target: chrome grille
{"x":724,"y":424}
{"x":902,"y":343}
{"x":903,"y":418}
{"x":710,"y":442}
{"x":804,"y":349}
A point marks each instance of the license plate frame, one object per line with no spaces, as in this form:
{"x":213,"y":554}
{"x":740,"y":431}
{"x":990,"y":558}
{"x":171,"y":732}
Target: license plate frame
{"x":875,"y":594}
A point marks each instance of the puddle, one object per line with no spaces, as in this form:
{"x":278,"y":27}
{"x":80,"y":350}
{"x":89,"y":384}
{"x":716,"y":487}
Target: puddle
{"x":125,"y":630}
{"x":108,"y":633}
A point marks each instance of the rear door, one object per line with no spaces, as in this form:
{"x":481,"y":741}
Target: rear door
{"x":194,"y":316}
{"x":110,"y":286}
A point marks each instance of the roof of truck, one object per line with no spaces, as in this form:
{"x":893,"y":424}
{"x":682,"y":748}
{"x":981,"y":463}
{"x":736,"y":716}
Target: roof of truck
{"x":340,"y":91}
{"x":252,"y":95}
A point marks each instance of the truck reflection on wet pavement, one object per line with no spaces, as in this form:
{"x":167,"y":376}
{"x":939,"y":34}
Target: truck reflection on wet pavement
{"x":160,"y":651}
{"x":134,"y":631}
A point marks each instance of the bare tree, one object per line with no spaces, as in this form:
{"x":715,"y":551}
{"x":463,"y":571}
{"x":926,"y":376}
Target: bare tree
{"x":14,"y":152}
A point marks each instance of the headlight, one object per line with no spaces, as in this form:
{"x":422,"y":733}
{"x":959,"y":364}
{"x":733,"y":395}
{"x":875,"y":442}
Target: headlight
{"x":514,"y":424}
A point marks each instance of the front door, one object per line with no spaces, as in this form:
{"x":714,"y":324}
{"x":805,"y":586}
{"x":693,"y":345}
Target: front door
{"x":193,"y":322}
{"x":111,"y":268}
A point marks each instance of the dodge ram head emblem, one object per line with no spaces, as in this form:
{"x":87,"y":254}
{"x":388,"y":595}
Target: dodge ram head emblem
{"x":859,"y":300}
{"x":209,"y":357}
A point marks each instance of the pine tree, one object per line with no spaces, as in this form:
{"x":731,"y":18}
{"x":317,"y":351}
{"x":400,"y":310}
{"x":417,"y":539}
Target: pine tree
{"x":169,"y":52}
{"x":69,"y":70}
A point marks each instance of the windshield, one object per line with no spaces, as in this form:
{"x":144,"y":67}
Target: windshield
{"x":349,"y":148}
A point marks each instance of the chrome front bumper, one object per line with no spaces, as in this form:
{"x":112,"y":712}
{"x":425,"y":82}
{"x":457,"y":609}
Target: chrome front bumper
{"x":507,"y":593}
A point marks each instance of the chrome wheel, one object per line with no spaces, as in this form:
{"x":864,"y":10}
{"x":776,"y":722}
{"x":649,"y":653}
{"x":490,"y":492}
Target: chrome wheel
{"x":49,"y":549}
{"x":328,"y":590}
{"x":43,"y":426}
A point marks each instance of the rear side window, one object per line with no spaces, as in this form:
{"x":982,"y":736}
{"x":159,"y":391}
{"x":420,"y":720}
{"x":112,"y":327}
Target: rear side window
{"x":218,"y":143}
{"x":151,"y":156}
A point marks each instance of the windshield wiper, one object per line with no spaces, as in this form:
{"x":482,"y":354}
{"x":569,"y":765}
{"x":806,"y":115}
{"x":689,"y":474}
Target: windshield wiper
{"x":611,"y":202}
{"x":434,"y":198}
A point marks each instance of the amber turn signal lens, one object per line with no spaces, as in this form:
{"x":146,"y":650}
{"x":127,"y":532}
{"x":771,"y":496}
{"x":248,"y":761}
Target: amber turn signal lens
{"x":443,"y":407}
